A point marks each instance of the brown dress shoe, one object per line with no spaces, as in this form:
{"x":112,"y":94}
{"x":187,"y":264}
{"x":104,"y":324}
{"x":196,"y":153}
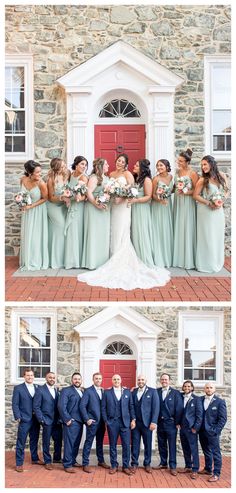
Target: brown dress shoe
{"x":49,"y":467}
{"x":127,"y":471}
{"x":193,"y":475}
{"x":148,"y":469}
{"x":104,"y":465}
{"x":173,"y":472}
{"x":70,"y":470}
{"x":161,"y":466}
{"x":87,"y":469}
{"x":76,"y":465}
{"x":19,"y":469}
{"x":204,"y":471}
{"x":133,"y":469}
{"x":38,"y":463}
{"x":113,"y":470}
{"x":184,"y":470}
{"x":213,"y":478}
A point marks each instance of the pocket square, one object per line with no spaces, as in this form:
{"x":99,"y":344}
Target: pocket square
{"x":170,"y":399}
{"x":126,"y":396}
{"x":213,"y":408}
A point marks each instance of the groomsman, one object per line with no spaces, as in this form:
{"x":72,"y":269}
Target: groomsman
{"x":22,"y":406}
{"x":146,"y":406}
{"x":214,"y":420}
{"x":171,"y":409}
{"x":90,"y":408}
{"x":189,"y":428}
{"x":119,"y":416}
{"x":69,"y":409}
{"x":45,"y":408}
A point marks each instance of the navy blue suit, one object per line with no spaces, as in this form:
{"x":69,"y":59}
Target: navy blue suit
{"x":214,"y":420}
{"x":46,"y":412}
{"x":147,"y":412}
{"x":22,"y":406}
{"x":69,"y":410}
{"x":171,"y":410}
{"x":191,"y":419}
{"x":90,"y":408}
{"x":117,"y":415}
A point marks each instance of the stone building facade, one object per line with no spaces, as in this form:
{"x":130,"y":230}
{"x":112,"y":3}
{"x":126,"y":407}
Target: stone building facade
{"x":177,"y":46}
{"x":154,"y":340}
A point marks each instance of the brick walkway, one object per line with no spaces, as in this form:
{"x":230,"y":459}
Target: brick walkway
{"x":38,"y":477}
{"x":205,"y":288}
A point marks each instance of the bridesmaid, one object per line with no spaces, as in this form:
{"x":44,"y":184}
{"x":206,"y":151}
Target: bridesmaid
{"x":34,"y":225}
{"x":96,"y":219}
{"x":141,"y":223}
{"x":184,"y":213}
{"x":58,"y":176}
{"x":74,"y":227}
{"x":209,"y":193}
{"x":162,"y":220}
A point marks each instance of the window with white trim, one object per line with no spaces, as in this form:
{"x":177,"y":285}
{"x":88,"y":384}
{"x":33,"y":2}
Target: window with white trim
{"x":33,"y":342}
{"x":19,"y":107}
{"x":218,"y":106}
{"x":200,"y":347}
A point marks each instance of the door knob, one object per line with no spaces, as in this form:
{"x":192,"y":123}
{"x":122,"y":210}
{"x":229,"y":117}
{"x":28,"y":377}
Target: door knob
{"x":120,"y":148}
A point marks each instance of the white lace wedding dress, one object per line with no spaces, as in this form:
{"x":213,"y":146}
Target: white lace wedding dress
{"x":124,"y":269}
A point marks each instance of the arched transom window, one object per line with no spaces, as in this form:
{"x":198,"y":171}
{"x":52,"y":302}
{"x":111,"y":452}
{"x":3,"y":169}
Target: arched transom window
{"x":117,"y":347}
{"x":119,"y":108}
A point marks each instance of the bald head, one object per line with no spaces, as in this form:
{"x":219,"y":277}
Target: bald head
{"x":209,"y":388}
{"x":141,"y":381}
{"x":116,"y":381}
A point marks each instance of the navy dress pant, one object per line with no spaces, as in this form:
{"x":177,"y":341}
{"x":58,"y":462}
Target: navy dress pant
{"x":211,"y":448}
{"x":115,"y":429}
{"x":141,"y":431}
{"x":32,"y":429}
{"x":72,"y":437}
{"x":54,"y":431}
{"x":189,"y":442}
{"x":166,"y":437}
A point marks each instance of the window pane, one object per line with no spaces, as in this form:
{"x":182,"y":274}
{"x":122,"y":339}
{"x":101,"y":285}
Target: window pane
{"x":15,"y":122}
{"x":199,"y":358}
{"x":15,"y":144}
{"x":221,"y":122}
{"x":14,"y":99}
{"x":219,"y":143}
{"x":199,"y":374}
{"x":200,"y":334}
{"x":228,"y":142}
{"x":35,"y":332}
{"x":39,"y":372}
{"x":25,"y":356}
{"x":221,"y":86}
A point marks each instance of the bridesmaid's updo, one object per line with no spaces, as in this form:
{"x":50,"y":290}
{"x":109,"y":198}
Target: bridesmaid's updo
{"x":78,"y":160}
{"x":30,"y":167}
{"x":166,"y":164}
{"x":144,"y":171}
{"x":187,"y":155}
{"x":126,"y":158}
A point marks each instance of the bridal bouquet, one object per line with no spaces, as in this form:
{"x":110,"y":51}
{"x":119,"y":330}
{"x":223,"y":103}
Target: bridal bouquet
{"x":183,"y":184}
{"x":163,"y":191}
{"x":116,"y":188}
{"x":216,"y":199}
{"x":132,"y":192}
{"x":22,"y":199}
{"x":79,"y":190}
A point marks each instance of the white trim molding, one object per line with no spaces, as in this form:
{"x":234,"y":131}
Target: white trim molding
{"x":120,"y":71}
{"x":25,"y":61}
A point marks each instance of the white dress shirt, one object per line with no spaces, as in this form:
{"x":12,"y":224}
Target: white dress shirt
{"x":164,"y":393}
{"x":51,"y":390}
{"x":117,"y":392}
{"x":79,"y":391}
{"x":140,"y":392}
{"x":99,"y":391}
{"x":31,"y":389}
{"x":186,"y":398}
{"x":207,"y":401}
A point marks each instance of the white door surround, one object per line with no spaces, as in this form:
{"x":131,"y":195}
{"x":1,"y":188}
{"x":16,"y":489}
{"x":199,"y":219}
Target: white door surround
{"x":120,"y":71}
{"x":118,"y":323}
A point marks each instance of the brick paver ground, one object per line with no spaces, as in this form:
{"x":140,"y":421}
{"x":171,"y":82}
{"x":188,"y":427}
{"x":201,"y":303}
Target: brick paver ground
{"x":37,"y":477}
{"x":69,"y":289}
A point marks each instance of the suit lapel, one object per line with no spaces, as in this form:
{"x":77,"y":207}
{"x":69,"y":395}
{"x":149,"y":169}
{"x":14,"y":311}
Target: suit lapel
{"x":27,"y":391}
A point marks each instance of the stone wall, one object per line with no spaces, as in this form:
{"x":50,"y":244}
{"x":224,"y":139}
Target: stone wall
{"x":62,"y":37}
{"x":68,"y":353}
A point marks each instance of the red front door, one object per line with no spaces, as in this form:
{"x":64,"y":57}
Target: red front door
{"x":125,"y":368}
{"x":112,"y":140}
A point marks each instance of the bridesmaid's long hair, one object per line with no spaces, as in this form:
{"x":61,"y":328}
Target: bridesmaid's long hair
{"x":126,"y":158}
{"x":144,"y":171}
{"x":55,"y":169}
{"x":30,"y":167}
{"x":98,"y":169}
{"x":213,"y":173}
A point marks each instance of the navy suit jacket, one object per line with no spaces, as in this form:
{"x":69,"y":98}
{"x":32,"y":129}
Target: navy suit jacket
{"x":173,"y":404}
{"x":109,"y":406}
{"x":193,"y":412}
{"x":215,"y":417}
{"x":69,"y":404}
{"x":44,"y":406}
{"x":150,"y":405}
{"x":22,"y":403}
{"x":90,"y":405}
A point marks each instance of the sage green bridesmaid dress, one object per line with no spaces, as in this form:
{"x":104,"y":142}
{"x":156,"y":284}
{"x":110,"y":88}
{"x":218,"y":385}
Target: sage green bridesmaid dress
{"x":96,"y":245}
{"x":74,"y":230}
{"x":210,"y":233}
{"x":141,"y":230}
{"x":162,"y":230}
{"x":57,"y":212}
{"x":185,"y":229}
{"x":34,"y":234}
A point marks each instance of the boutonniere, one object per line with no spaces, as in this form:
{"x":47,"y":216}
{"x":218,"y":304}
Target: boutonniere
{"x":170,"y":398}
{"x":126,"y":396}
{"x":213,"y":408}
{"x":192,"y":405}
{"x":148,"y":396}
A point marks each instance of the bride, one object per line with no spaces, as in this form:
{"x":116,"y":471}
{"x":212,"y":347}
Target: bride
{"x":124,"y":269}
